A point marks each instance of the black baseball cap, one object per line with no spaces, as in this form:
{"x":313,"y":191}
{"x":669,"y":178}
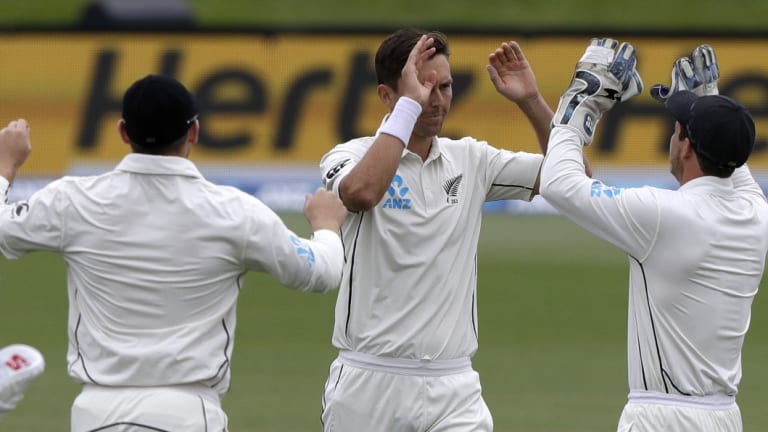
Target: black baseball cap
{"x":157,"y":111}
{"x":719,"y":128}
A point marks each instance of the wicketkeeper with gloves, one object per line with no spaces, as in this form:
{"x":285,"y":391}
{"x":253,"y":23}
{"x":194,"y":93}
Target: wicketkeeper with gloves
{"x":696,"y":254}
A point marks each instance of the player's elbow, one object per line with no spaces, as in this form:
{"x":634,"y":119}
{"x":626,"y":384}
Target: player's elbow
{"x":546,"y":186}
{"x":324,"y":282}
{"x":358,"y":199}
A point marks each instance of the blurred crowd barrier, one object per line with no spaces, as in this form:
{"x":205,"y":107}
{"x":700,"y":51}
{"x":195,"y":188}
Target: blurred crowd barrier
{"x":273,"y":104}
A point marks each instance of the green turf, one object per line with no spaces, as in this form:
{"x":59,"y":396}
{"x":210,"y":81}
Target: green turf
{"x":517,"y":15}
{"x":552,"y":306}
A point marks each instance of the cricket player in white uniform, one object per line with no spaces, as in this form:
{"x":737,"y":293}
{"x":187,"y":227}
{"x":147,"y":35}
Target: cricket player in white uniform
{"x":406,"y":315}
{"x":696,"y":254}
{"x":156,"y":259}
{"x":20,"y":364}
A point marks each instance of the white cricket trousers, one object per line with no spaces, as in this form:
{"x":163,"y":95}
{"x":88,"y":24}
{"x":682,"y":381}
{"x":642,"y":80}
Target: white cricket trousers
{"x":366,"y":393}
{"x":655,"y":412}
{"x":183,"y":408}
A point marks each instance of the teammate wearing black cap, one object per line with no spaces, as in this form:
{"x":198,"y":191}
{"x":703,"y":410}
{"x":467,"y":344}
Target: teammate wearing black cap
{"x":156,"y":259}
{"x":696,"y":254}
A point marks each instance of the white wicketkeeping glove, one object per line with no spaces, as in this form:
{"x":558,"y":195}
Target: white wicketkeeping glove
{"x":603,"y":77}
{"x":698,"y":73}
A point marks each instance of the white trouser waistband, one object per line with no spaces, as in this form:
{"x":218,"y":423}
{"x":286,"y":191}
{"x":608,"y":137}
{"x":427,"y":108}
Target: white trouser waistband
{"x":193,"y":389}
{"x":707,"y":402}
{"x":404,"y":366}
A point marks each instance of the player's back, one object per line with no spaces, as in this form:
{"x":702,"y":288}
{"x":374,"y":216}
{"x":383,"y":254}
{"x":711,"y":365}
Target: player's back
{"x":692,"y":294}
{"x":155,"y":267}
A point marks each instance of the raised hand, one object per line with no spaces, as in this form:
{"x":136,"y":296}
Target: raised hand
{"x":324,"y":210}
{"x":15,"y":147}
{"x":698,"y":73}
{"x":604,"y":76}
{"x":410,"y":84}
{"x":511,"y":74}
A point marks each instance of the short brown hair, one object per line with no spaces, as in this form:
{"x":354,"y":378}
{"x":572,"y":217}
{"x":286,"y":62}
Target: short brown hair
{"x":395,"y":49}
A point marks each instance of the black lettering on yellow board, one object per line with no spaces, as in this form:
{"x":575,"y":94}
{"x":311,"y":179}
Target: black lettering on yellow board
{"x":623,"y":114}
{"x":101,"y":103}
{"x":282,"y":101}
{"x":294,"y":102}
{"x":253,"y":100}
{"x":361,"y":79}
{"x":756,"y":86}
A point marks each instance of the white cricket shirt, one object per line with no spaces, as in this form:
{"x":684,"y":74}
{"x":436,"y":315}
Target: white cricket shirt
{"x":409,"y":284}
{"x":696,"y":257}
{"x":156,"y":258}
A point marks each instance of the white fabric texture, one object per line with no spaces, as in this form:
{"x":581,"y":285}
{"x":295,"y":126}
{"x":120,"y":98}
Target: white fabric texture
{"x":156,"y":259}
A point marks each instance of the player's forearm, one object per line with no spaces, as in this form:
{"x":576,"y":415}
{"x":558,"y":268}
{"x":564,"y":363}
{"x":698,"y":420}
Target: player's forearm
{"x":8,"y":172}
{"x":328,"y":253}
{"x":366,"y":184}
{"x":539,"y":114}
{"x":562,"y":173}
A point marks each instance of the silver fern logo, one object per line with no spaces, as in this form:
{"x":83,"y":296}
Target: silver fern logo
{"x":451,"y":188}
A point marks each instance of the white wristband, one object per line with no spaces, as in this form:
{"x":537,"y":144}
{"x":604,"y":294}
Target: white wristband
{"x":400,"y":122}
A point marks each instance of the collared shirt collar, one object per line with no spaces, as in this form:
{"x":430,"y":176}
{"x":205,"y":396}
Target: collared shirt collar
{"x":708,"y":182}
{"x":158,"y":165}
{"x":434,"y":150}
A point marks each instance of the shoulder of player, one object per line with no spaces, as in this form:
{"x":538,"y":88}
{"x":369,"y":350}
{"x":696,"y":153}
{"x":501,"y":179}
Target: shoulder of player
{"x":464,"y":144}
{"x":353,"y":149}
{"x":354,"y":145}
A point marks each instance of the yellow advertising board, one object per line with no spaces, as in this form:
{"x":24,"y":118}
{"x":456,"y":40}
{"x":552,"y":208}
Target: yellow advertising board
{"x":288,"y":98}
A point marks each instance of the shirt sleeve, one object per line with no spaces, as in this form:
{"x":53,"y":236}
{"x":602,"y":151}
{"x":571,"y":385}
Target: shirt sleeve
{"x":311,"y":265}
{"x":337,"y":163}
{"x":511,"y":175}
{"x":627,"y":218}
{"x":33,"y":225}
{"x":745,"y":183}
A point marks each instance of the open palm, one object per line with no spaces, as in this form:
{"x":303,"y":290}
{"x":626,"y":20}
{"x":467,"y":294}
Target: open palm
{"x":511,"y":74}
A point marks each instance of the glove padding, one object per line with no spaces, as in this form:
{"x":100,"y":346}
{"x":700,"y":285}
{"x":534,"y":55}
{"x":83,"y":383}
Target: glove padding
{"x":698,"y":73}
{"x":603,"y":77}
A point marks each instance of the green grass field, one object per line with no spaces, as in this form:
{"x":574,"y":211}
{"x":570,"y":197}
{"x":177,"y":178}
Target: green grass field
{"x":552,"y":306}
{"x":517,"y":15}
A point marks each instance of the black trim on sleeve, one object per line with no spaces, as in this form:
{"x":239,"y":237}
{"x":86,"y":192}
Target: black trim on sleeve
{"x":530,"y":188}
{"x":140,"y":426}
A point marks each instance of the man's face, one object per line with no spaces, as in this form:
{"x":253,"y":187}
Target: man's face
{"x":430,"y":122}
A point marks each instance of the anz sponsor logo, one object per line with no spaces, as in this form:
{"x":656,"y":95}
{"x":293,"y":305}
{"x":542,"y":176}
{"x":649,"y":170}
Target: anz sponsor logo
{"x":600,"y":190}
{"x":397,"y":192}
{"x":303,"y":251}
